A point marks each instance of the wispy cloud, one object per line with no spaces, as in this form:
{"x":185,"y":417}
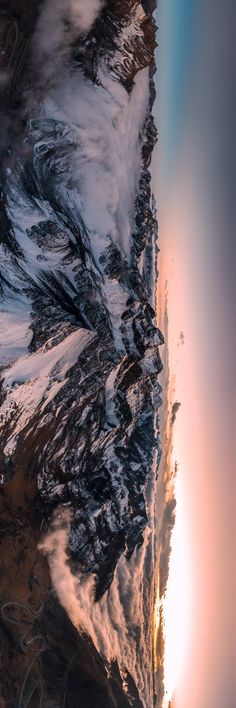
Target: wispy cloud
{"x":59,"y":23}
{"x":119,"y":623}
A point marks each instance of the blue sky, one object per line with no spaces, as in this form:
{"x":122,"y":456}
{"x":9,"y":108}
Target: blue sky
{"x":176,"y":40}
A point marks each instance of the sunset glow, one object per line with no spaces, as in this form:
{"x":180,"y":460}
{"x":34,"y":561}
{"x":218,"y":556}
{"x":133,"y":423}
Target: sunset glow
{"x":174,"y":614}
{"x":176,"y":604}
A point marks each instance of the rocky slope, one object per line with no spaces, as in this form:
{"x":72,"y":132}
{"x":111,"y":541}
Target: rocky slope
{"x":80,"y":349}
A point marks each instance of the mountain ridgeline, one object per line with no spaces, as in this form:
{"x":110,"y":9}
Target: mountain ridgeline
{"x":79,"y":352}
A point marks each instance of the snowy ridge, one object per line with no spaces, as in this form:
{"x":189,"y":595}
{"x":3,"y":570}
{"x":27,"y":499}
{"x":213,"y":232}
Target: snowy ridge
{"x":35,"y":379}
{"x":79,"y":379}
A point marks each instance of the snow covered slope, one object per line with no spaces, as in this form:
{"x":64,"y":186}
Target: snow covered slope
{"x":80,"y":347}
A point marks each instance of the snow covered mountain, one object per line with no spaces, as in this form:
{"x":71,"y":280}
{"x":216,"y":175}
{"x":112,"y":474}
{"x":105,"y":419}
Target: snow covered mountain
{"x":79,"y":343}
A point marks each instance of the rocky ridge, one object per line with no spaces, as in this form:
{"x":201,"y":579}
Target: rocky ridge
{"x":80,"y":361}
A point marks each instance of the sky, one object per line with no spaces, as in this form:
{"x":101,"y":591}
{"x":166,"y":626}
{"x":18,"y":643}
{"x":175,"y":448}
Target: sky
{"x":195,"y":165}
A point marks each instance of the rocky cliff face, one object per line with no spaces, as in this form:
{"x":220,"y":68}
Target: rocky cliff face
{"x":80,"y":349}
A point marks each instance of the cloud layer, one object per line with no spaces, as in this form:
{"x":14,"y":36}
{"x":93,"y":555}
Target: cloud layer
{"x":119,"y":624}
{"x":59,"y":23}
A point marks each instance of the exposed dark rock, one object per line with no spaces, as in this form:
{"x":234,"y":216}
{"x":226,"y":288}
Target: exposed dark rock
{"x":78,"y":412}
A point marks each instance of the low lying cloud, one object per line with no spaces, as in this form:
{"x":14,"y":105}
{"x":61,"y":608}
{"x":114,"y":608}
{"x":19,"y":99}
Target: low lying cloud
{"x":59,"y":23}
{"x":118,"y":624}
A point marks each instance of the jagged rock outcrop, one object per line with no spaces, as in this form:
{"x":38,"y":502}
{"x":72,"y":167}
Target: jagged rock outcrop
{"x":80,"y":353}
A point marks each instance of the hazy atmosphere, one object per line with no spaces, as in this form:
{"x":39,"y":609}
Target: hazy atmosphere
{"x":195,"y":173}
